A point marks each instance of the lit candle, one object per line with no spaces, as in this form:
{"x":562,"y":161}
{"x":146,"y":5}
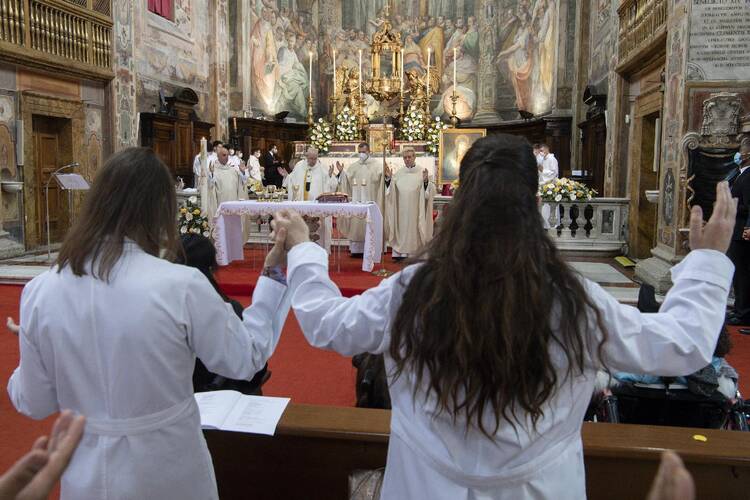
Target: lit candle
{"x":360,"y":73}
{"x":429,"y":57}
{"x":310,"y":53}
{"x":401,"y":72}
{"x":204,"y":153}
{"x":455,"y":57}
{"x":334,"y":72}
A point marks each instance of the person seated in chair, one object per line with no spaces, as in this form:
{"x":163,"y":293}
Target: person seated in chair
{"x":200,"y":253}
{"x":717,"y":377}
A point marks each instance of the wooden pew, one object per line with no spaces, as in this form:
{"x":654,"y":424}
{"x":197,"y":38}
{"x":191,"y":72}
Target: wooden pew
{"x":317,"y":447}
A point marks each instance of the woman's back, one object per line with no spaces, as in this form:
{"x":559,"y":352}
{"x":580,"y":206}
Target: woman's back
{"x":119,"y":349}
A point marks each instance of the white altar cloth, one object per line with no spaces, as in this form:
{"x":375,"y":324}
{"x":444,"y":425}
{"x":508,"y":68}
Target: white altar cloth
{"x":228,"y":225}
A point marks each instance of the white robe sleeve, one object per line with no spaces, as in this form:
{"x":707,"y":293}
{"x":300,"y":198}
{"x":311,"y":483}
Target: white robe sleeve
{"x":31,"y":386}
{"x":329,"y":321}
{"x":681,"y":337}
{"x":227,"y":345}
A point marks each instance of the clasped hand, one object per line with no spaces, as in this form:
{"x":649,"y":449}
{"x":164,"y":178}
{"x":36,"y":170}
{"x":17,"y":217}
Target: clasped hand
{"x":289,"y":229}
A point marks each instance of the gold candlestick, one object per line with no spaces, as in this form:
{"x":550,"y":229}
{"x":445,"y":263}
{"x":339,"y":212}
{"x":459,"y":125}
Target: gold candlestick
{"x":310,"y":119}
{"x":454,"y":118}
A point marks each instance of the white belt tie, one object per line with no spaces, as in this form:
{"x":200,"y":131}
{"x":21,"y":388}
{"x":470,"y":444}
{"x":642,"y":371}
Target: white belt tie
{"x":139,"y":425}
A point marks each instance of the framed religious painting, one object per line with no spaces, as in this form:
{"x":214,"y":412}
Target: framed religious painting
{"x":454,"y":143}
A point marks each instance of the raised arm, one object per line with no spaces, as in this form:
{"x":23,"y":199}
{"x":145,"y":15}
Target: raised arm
{"x":329,"y":321}
{"x":227,"y":345}
{"x":681,"y":337}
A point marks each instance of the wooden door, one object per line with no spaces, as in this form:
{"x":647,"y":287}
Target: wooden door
{"x":46,"y":161}
{"x":644,"y":169}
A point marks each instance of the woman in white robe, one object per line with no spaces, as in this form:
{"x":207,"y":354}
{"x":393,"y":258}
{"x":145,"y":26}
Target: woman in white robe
{"x":116,"y":341}
{"x":539,"y":347}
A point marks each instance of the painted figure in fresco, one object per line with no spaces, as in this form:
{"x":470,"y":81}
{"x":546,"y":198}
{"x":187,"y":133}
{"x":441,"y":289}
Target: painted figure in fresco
{"x":518,"y":57}
{"x":291,"y":90}
{"x":545,"y":45}
{"x":265,"y":69}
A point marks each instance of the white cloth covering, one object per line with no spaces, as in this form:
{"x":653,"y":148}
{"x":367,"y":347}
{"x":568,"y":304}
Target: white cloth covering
{"x":320,"y":182}
{"x":432,"y":457}
{"x":228,"y":228}
{"x":123,"y":355}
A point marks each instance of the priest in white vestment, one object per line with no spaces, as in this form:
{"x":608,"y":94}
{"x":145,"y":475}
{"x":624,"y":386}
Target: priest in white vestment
{"x":308,"y":180}
{"x":363,"y":181}
{"x":253,"y":166}
{"x":408,"y":207}
{"x":224,"y":183}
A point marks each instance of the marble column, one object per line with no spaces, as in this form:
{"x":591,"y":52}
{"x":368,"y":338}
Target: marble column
{"x":487,"y":71}
{"x":219,"y":68}
{"x":123,"y":87}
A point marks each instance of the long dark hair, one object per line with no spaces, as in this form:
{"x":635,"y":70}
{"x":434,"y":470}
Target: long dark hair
{"x":477,"y":319}
{"x":133,"y":196}
{"x":200,"y":253}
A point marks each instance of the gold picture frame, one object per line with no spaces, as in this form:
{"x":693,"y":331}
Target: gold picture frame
{"x":454,"y":143}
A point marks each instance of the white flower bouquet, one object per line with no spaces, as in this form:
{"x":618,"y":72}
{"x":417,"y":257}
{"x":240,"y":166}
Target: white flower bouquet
{"x":192,"y":220}
{"x":346,"y":125}
{"x":433,"y":135}
{"x":321,"y":136}
{"x":413,"y":126}
{"x":566,"y":190}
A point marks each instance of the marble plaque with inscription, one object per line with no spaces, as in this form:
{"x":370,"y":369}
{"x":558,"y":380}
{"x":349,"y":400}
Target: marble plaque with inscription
{"x":719,"y":40}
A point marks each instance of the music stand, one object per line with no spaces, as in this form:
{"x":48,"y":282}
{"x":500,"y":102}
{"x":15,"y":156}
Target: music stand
{"x":69,"y":183}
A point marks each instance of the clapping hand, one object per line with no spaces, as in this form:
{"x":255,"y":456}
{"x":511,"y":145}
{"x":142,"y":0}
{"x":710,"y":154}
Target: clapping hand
{"x":243,"y":167}
{"x":339,"y":167}
{"x":35,"y":475}
{"x":282,"y":171}
{"x":717,"y":232}
{"x":12,"y":326}
{"x":277,"y":255}
{"x":673,"y":481}
{"x":425,"y":175}
{"x":211,"y":167}
{"x":330,"y":170}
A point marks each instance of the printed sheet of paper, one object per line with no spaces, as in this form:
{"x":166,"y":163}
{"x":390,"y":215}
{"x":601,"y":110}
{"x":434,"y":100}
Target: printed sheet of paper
{"x":256,"y":414}
{"x":215,"y":406}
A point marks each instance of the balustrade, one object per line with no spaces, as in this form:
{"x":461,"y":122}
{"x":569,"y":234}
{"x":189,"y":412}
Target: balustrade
{"x":72,"y":35}
{"x":642,"y":22}
{"x":598,"y":225}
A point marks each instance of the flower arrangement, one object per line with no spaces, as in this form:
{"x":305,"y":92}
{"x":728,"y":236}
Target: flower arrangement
{"x":413,"y":124}
{"x":192,"y":219}
{"x":346,"y":125}
{"x":321,"y":136}
{"x":433,"y":135}
{"x":566,"y":190}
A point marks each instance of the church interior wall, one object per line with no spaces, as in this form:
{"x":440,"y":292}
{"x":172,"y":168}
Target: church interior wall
{"x":27,"y":93}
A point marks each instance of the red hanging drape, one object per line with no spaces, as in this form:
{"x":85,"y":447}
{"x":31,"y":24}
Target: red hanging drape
{"x":161,"y":7}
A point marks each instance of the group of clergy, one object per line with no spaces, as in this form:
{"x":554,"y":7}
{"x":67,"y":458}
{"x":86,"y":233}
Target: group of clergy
{"x":404,"y":196}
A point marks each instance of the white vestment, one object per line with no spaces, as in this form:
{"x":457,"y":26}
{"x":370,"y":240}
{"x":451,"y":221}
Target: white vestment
{"x":225,"y":184}
{"x":197,"y":171}
{"x":432,"y":457}
{"x":549,"y":169}
{"x":409,"y":211}
{"x":371,"y":173}
{"x":253,"y":168}
{"x":311,"y":182}
{"x":122,"y":354}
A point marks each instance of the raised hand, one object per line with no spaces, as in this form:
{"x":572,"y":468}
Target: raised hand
{"x":673,"y":481}
{"x":297,"y":230}
{"x":388,"y":171}
{"x":282,"y":171}
{"x":717,"y":233}
{"x":330,"y":170}
{"x":211,"y":167}
{"x":277,"y":255}
{"x":339,"y":167}
{"x":12,"y":326}
{"x":425,"y":175}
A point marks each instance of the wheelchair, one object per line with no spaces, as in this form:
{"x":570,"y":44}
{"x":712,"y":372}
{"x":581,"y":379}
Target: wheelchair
{"x":669,"y":404}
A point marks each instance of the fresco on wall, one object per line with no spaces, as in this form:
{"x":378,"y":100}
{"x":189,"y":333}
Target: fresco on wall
{"x":523,"y":39}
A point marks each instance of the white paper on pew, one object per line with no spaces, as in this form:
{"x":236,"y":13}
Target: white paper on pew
{"x":233,"y":411}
